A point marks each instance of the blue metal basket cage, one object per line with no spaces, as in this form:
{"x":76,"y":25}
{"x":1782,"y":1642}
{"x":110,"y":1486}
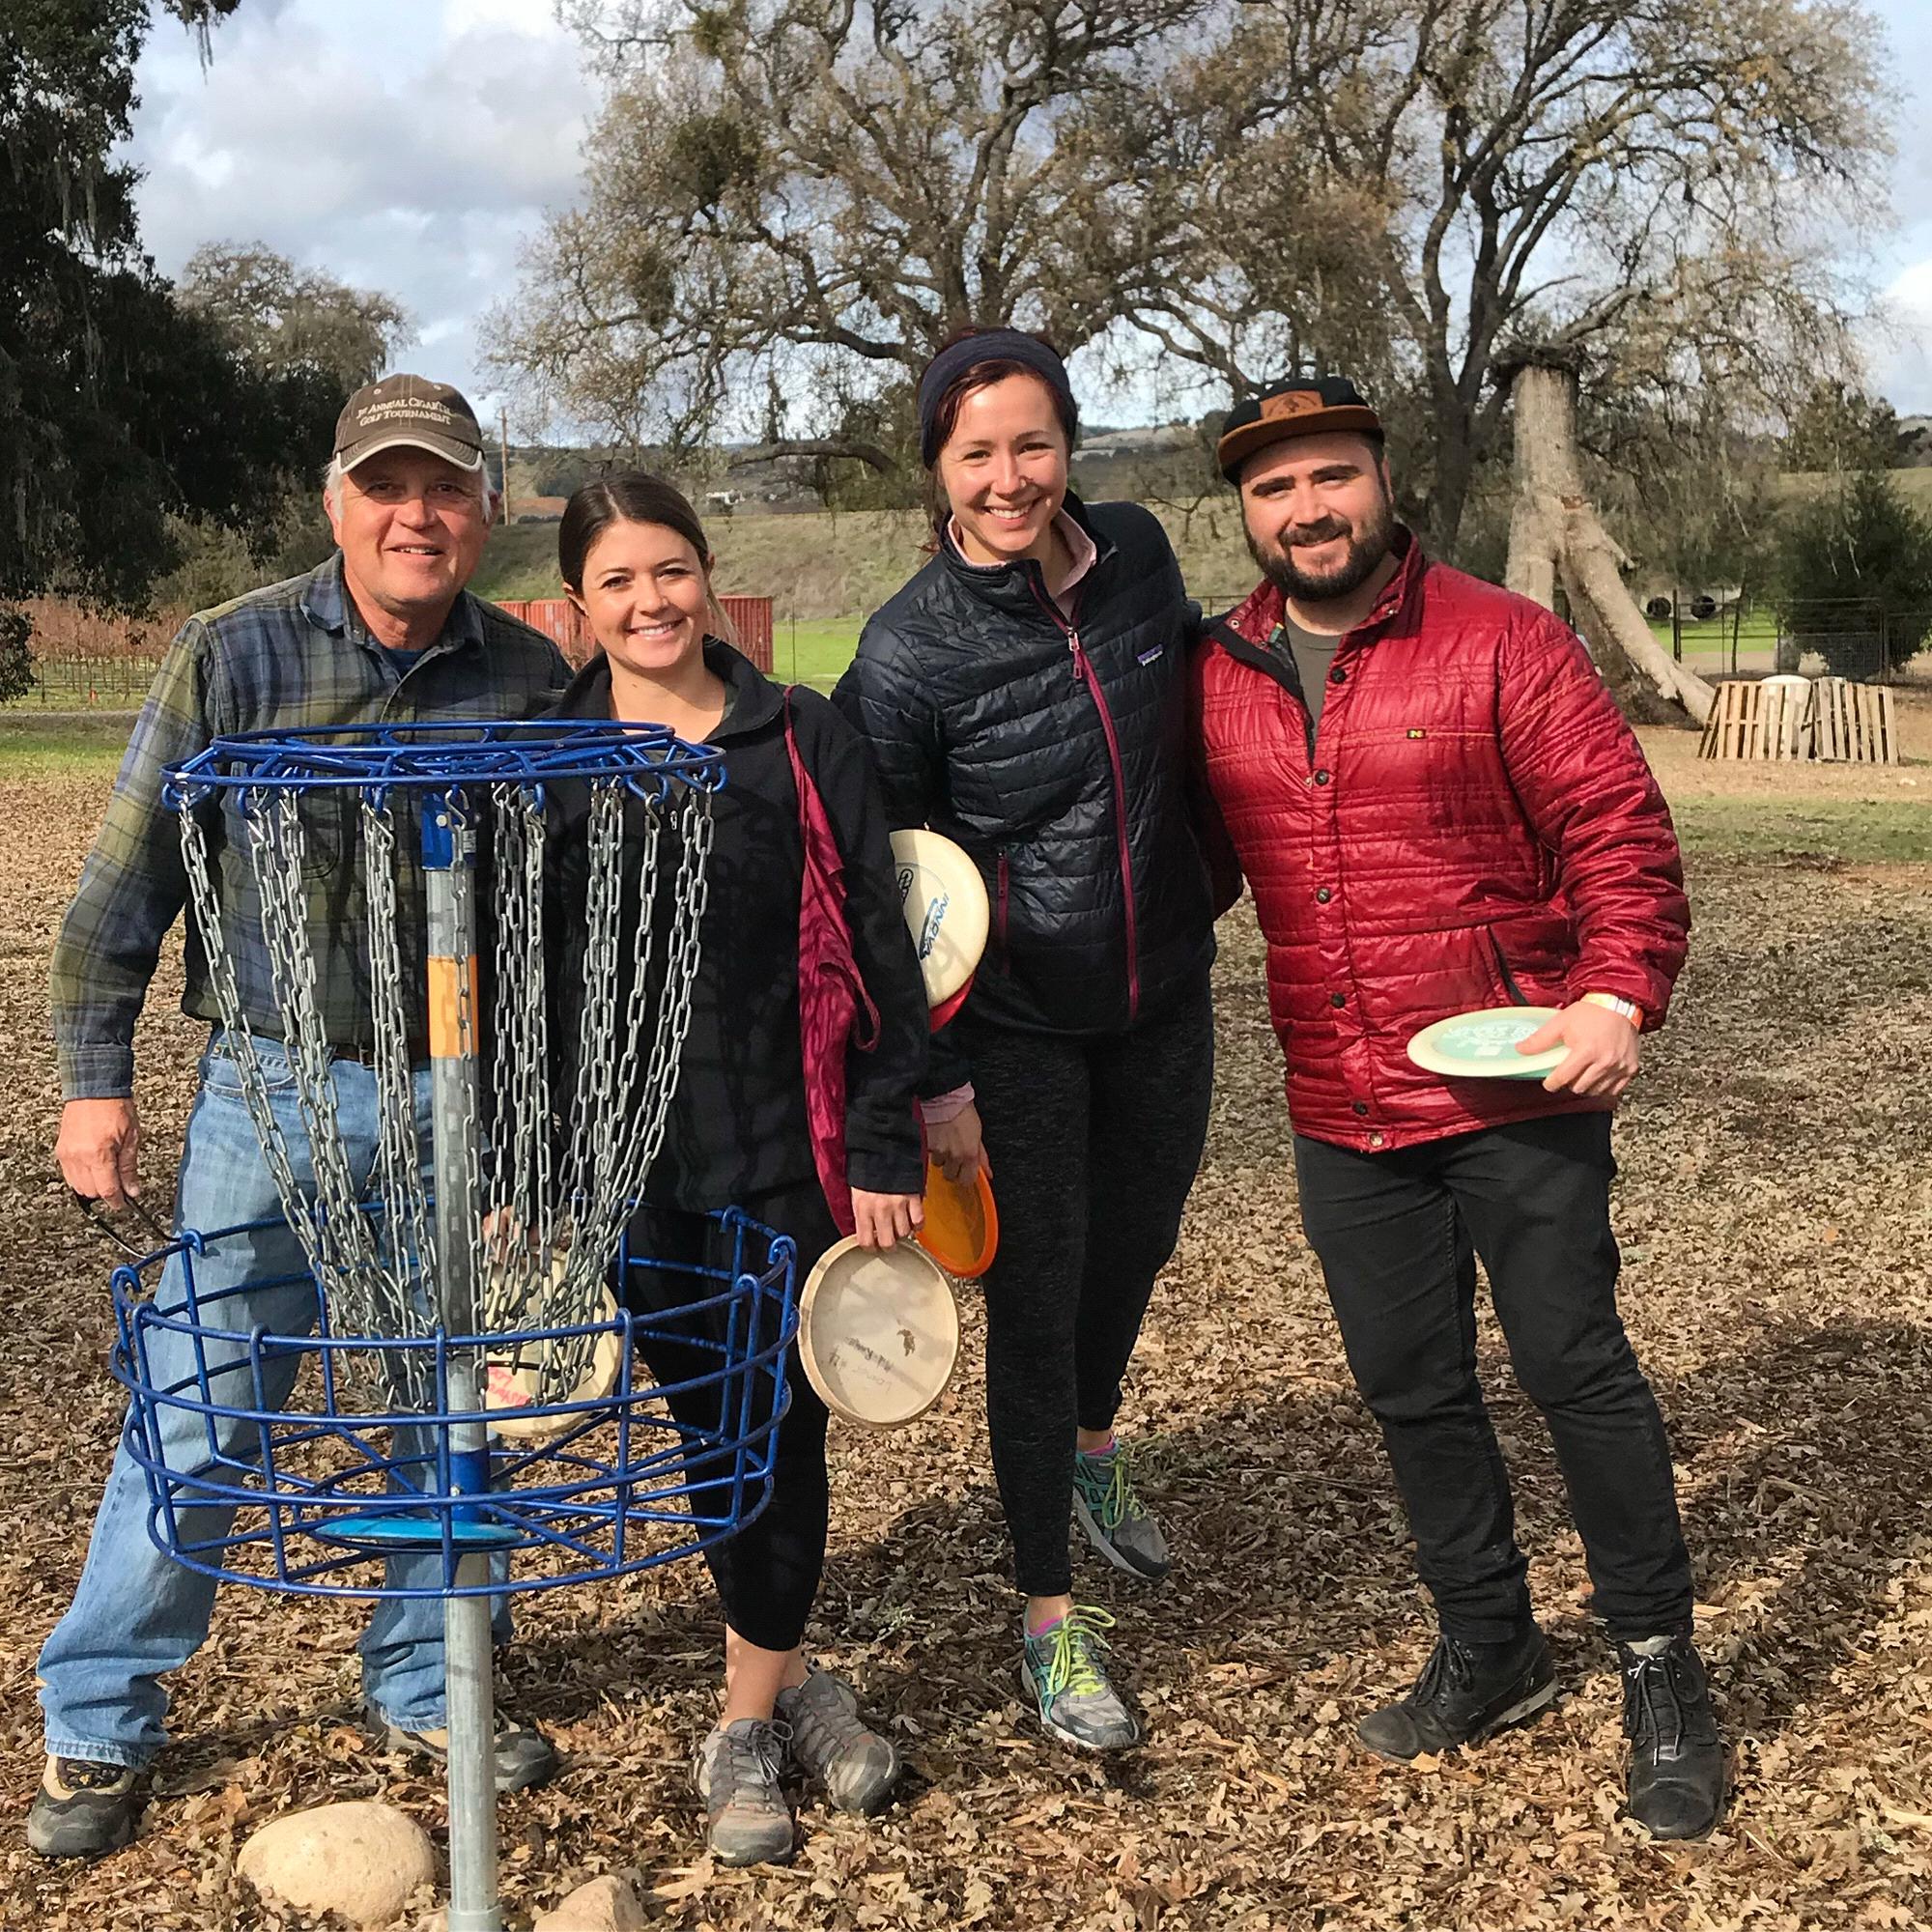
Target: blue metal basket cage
{"x":261,"y":1468}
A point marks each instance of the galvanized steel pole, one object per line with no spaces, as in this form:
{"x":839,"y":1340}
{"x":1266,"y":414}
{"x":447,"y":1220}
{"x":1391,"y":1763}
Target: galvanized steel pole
{"x":449,"y":856}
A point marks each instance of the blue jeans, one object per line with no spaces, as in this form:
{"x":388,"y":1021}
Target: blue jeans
{"x":137,"y":1613}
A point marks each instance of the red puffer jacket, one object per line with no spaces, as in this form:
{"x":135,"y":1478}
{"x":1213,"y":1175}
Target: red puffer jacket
{"x":1475,"y":825}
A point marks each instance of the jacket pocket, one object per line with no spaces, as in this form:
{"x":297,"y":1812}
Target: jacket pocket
{"x":1516,"y":996}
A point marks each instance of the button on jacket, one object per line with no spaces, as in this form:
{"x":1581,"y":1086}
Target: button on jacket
{"x":1471,"y":824}
{"x":1052,"y":746}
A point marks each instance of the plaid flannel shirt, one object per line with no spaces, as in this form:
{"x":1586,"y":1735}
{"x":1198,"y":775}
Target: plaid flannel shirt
{"x":294,"y":654}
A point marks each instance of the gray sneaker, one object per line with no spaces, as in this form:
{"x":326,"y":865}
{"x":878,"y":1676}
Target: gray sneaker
{"x":1063,"y":1674}
{"x":747,"y":1819}
{"x":1114,"y":1517}
{"x":523,"y":1756}
{"x":834,"y":1747}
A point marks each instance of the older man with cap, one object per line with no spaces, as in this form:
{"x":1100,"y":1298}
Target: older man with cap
{"x":1440,"y":808}
{"x":383,"y":632}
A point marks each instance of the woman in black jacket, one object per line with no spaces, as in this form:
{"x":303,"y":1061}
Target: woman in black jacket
{"x":1025,"y":694}
{"x":634,"y":561}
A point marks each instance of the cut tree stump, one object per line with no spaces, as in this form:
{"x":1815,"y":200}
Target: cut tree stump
{"x":1556,"y":535}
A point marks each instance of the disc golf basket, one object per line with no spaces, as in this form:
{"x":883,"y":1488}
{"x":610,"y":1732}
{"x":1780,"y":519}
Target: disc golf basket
{"x":447,"y":1406}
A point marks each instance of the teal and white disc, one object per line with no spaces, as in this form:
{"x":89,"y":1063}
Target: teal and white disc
{"x":1482,"y":1045}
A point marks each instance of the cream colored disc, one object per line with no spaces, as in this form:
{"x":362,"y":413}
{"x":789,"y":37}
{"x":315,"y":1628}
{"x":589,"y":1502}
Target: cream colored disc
{"x":878,"y":1331}
{"x":515,"y":1381}
{"x":946,"y":909}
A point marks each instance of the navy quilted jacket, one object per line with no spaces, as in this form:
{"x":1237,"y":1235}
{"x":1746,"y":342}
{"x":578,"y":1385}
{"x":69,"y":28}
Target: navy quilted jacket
{"x":1055,"y":753}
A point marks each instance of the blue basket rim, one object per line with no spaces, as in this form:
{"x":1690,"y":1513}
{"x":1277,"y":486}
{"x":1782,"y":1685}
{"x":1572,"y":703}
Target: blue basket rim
{"x":434,"y":757}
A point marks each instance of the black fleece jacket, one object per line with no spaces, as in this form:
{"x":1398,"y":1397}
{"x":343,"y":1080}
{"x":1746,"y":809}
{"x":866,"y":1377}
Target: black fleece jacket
{"x":737,"y":1120}
{"x":1056,"y":753}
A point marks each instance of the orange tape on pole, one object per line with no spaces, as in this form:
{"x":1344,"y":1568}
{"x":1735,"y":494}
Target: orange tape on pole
{"x":452,"y":1009}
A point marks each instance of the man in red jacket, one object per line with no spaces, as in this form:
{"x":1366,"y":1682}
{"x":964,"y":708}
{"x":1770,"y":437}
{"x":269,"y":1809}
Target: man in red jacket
{"x":1440,"y":808}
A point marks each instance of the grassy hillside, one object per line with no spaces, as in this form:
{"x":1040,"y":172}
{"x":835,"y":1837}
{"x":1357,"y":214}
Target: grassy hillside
{"x":824,"y":565}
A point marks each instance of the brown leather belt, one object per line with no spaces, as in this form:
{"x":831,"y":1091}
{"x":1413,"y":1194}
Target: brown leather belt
{"x":365,"y":1056}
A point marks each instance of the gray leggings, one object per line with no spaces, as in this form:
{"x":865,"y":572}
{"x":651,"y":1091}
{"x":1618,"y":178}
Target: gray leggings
{"x":1094,"y":1143}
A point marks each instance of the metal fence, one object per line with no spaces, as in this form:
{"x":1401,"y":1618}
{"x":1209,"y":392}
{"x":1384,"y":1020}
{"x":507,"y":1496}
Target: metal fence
{"x":1865,"y":643}
{"x":90,"y":682}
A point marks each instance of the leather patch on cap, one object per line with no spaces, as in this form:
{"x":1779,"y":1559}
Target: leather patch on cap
{"x":1290,"y":402}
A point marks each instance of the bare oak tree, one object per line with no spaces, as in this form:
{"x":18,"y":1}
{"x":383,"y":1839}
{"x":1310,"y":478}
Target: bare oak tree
{"x":1648,"y":185}
{"x":796,"y":201}
{"x":791,"y":202}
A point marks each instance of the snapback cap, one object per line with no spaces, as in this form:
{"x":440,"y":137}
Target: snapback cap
{"x":408,"y":412}
{"x":1301,"y":406}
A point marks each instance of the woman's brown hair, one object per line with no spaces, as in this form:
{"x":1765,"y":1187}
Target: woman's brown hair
{"x":632,"y":497}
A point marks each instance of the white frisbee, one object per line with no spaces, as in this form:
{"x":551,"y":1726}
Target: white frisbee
{"x":946,"y":910}
{"x":1481,"y":1045}
{"x":879,"y":1332}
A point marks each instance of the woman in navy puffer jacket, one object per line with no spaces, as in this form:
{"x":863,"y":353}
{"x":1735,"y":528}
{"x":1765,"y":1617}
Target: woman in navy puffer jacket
{"x":1026,"y":695}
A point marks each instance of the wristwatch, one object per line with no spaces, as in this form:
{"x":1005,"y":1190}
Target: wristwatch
{"x":1629,"y":1009}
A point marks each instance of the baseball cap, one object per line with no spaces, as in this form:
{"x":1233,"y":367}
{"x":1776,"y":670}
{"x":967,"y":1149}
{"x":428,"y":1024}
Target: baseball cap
{"x":1301,"y":406}
{"x":408,"y":412}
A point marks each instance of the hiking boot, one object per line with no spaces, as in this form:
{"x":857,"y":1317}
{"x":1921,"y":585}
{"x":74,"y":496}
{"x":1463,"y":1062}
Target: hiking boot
{"x":1114,"y":1517}
{"x":835,"y":1747}
{"x":1063,"y":1674}
{"x":523,"y":1755}
{"x":83,"y":1809}
{"x":747,"y":1821}
{"x":1678,"y":1763}
{"x":1465,"y":1691}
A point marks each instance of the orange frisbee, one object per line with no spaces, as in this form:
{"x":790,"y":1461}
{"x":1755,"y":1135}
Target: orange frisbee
{"x":962,"y":1226}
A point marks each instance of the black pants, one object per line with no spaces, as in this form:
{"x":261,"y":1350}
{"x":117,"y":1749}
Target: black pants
{"x":1094,"y":1144}
{"x":767,"y":1575}
{"x":1393,"y":1233}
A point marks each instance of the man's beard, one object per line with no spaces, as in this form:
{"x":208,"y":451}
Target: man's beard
{"x":1366,"y":552}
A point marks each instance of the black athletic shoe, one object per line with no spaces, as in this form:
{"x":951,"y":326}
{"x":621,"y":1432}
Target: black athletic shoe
{"x":82,"y":1810}
{"x":1678,"y":1764}
{"x":1465,"y":1693}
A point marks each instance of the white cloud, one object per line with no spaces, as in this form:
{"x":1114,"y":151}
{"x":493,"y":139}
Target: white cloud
{"x":409,"y":149}
{"x":1901,"y":355}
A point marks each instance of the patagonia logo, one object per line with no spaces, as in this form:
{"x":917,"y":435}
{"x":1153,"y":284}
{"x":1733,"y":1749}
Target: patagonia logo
{"x":1147,"y":657}
{"x":1416,"y":732}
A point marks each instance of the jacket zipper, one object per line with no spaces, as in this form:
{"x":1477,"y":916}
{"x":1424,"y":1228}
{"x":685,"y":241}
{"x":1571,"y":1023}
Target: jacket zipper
{"x":1083,"y":674}
{"x":1003,"y":879}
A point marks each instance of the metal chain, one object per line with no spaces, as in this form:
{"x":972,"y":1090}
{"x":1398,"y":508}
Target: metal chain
{"x":549,"y":1211}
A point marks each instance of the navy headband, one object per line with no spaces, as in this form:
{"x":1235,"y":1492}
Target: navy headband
{"x":992,"y":345}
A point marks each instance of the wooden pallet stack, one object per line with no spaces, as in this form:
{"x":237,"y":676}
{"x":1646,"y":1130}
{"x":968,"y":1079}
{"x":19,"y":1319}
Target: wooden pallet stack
{"x":1791,"y":719}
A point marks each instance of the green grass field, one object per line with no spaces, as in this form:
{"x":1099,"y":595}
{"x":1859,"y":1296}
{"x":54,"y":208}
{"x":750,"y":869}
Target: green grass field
{"x":816,"y":652}
{"x":44,"y":748}
{"x":1851,"y":831}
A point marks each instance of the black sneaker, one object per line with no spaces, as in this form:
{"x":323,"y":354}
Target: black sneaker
{"x":523,"y":1755}
{"x":1678,"y":1763}
{"x":1465,"y":1691}
{"x":82,"y":1810}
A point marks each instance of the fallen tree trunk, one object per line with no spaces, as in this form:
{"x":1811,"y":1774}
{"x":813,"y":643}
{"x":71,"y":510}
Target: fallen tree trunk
{"x":1557,"y":536}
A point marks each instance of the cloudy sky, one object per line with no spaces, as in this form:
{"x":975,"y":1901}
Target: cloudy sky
{"x":413,"y":146}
